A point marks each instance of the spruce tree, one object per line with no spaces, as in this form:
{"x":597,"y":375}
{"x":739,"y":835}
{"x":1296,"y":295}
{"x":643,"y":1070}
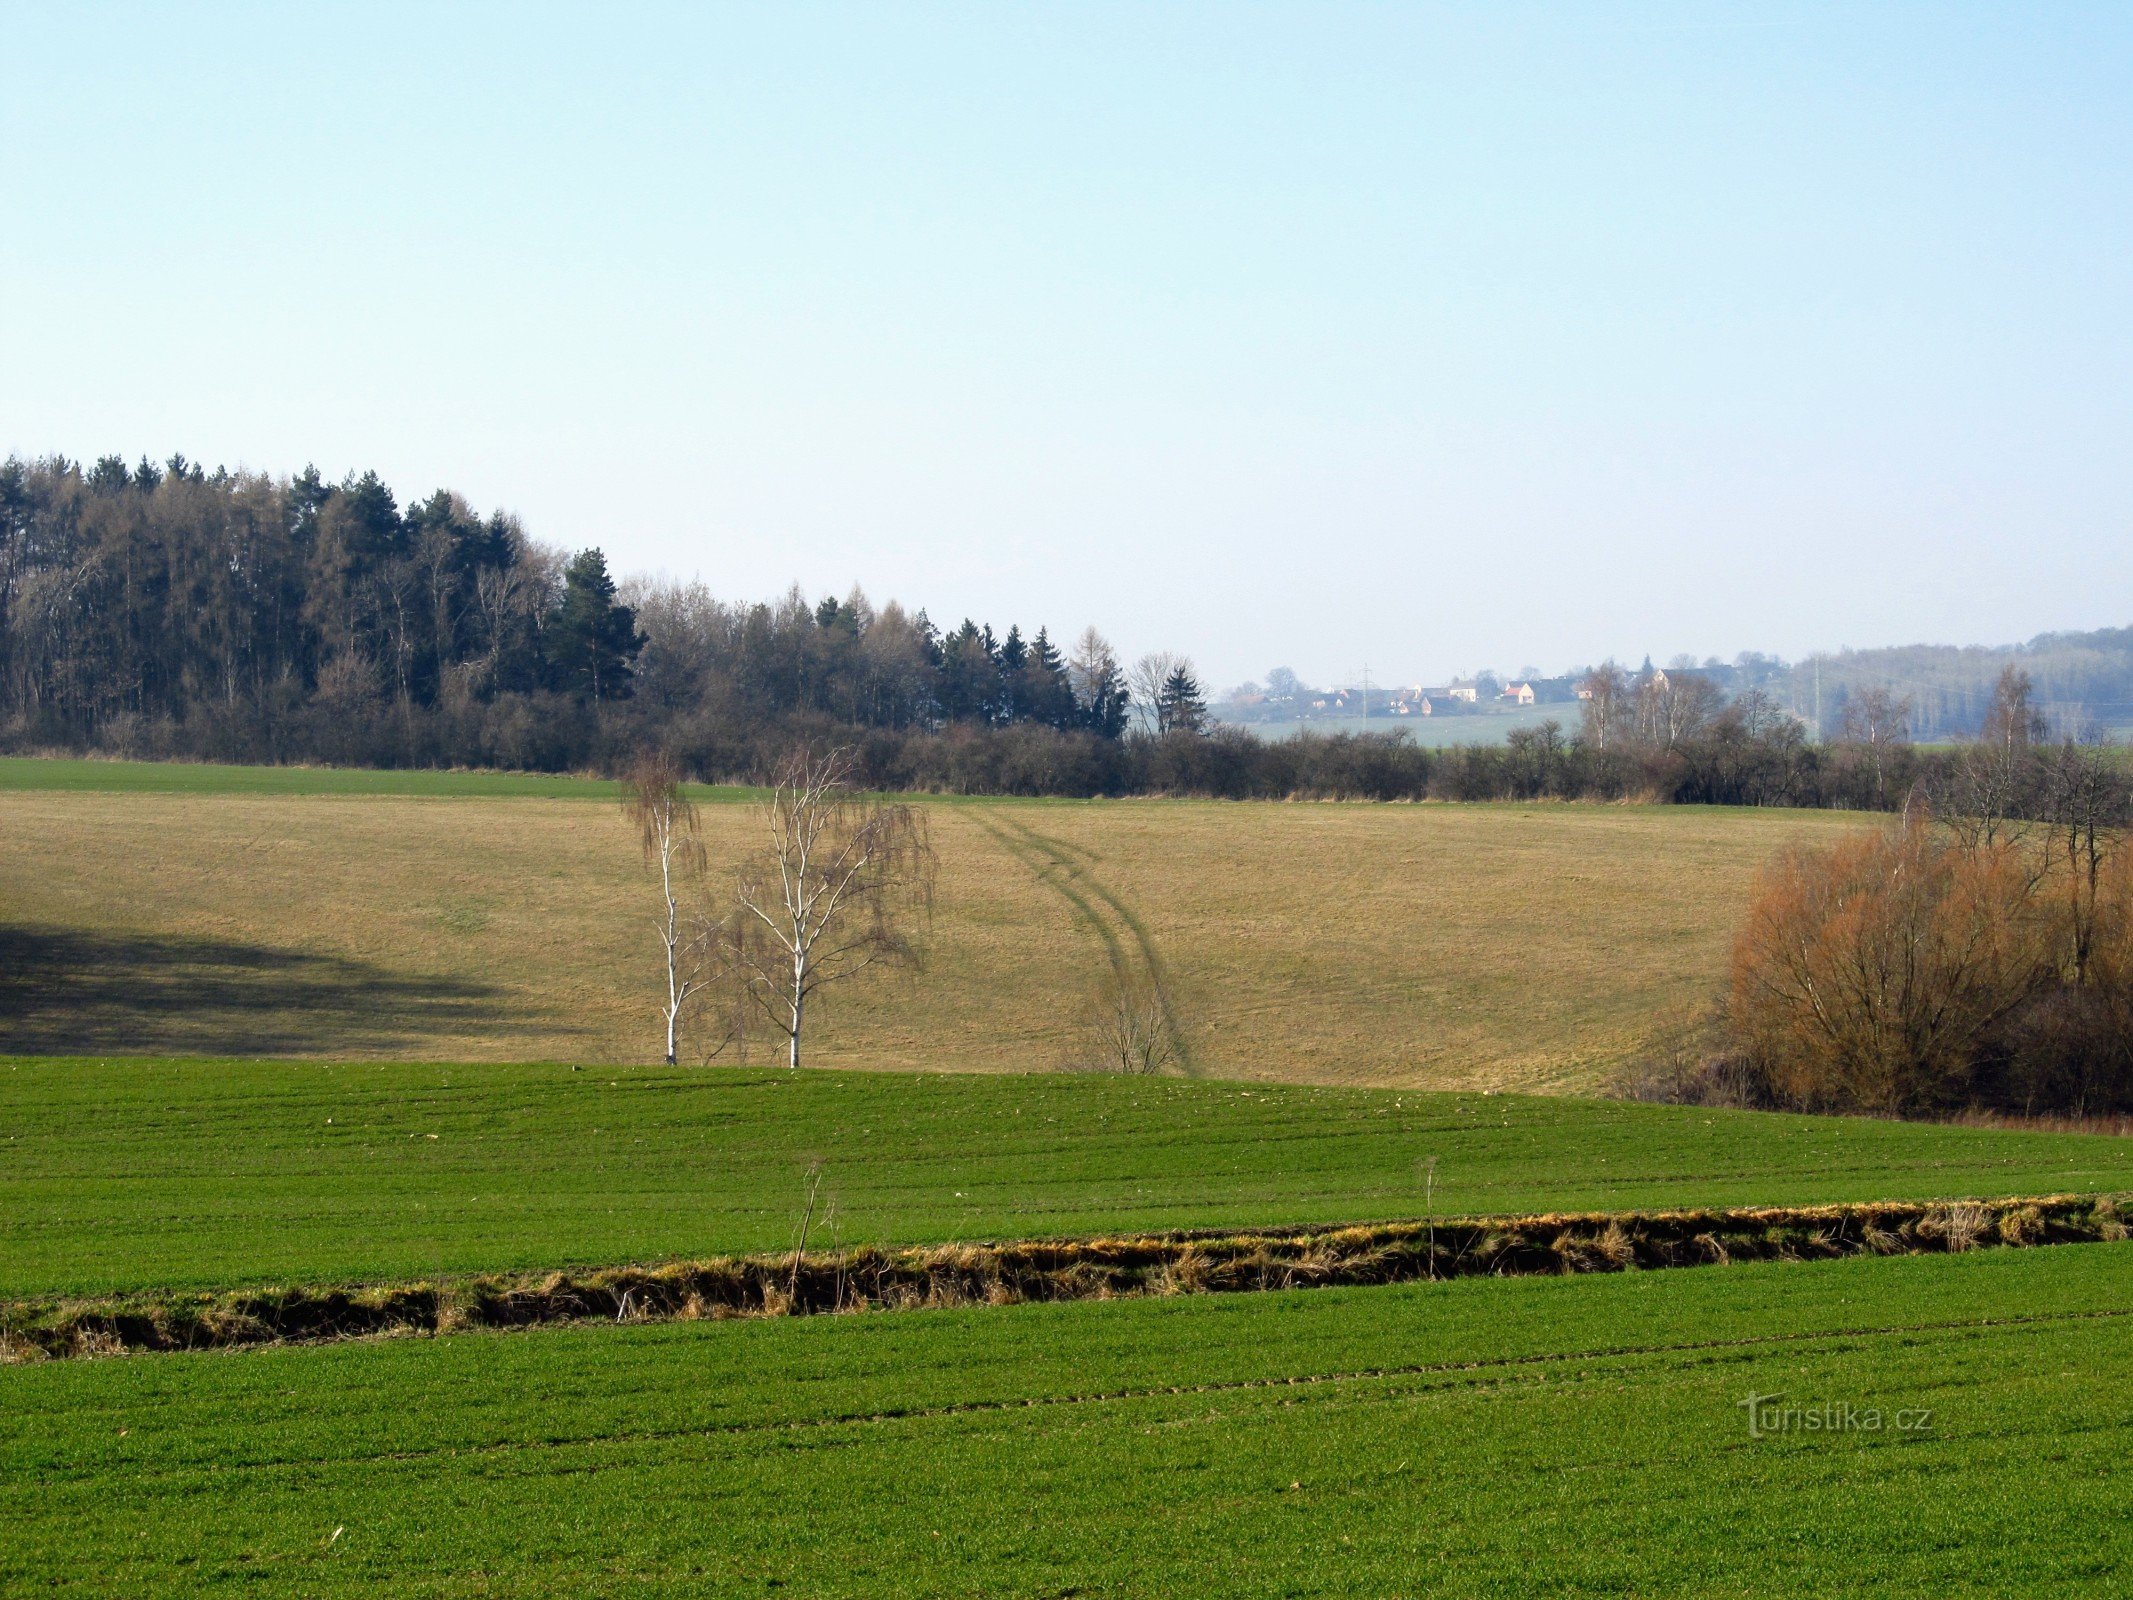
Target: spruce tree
{"x":1046,"y":694}
{"x":1181,"y":708}
{"x":592,"y":639}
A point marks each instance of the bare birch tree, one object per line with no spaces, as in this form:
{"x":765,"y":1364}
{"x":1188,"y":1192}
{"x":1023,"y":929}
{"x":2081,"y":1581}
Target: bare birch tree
{"x":667,"y":827}
{"x":1876,"y":720}
{"x":1668,"y":708}
{"x":844,"y":883}
{"x":1604,"y":695}
{"x":1991,"y":791}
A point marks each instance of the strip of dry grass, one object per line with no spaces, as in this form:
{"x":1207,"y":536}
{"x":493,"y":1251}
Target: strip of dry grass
{"x":1489,"y":946}
{"x":1018,"y":1272}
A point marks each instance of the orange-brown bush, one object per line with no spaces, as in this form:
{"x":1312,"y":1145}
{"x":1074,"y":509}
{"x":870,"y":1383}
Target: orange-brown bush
{"x":1922,"y":969}
{"x":1874,"y":975}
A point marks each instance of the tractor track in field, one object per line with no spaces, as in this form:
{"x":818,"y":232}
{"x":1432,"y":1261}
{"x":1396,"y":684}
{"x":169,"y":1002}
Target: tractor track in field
{"x":1129,"y":948}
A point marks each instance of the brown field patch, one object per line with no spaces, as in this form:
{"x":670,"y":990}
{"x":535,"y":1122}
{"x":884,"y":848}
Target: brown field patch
{"x":1489,"y":946}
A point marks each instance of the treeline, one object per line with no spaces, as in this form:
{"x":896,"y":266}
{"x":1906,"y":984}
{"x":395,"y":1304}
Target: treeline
{"x":168,"y":611}
{"x":1655,"y":737}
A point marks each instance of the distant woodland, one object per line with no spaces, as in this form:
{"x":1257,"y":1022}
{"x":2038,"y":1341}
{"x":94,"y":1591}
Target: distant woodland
{"x":169,"y":611}
{"x":2081,"y":682}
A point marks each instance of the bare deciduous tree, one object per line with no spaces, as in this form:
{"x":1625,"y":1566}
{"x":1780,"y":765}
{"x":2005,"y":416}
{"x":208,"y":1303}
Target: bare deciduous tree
{"x":1146,"y":682}
{"x":1672,"y":707}
{"x":1876,"y":721}
{"x":2012,"y":722}
{"x":2088,"y":802}
{"x":844,"y":883}
{"x":1990,"y":793}
{"x":666,"y":821}
{"x":1604,"y":696}
{"x":1099,"y":686}
{"x":1130,"y":1026}
{"x":1762,"y":718}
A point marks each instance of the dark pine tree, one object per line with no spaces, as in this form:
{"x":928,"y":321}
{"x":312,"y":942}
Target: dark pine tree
{"x":1109,"y":703}
{"x":592,"y":640}
{"x":969,"y":675}
{"x":1181,"y":708}
{"x":1043,"y":692}
{"x":1013,"y":653}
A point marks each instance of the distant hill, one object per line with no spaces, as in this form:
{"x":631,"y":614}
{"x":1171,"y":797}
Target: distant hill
{"x":2082,"y":681}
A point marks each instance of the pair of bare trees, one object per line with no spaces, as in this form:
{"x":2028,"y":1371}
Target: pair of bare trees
{"x":839,"y":882}
{"x":1167,"y":692}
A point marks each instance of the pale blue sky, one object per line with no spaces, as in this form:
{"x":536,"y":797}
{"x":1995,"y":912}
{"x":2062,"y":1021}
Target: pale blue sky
{"x":1441,"y":336}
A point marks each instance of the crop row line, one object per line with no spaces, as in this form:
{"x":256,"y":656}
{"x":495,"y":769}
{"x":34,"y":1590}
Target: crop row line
{"x":1411,"y":1379}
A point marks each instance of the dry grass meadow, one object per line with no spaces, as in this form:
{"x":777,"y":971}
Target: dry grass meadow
{"x":1492,"y":946}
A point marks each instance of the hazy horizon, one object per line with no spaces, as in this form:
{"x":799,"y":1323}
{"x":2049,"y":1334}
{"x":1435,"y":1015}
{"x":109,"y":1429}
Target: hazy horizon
{"x":1429,"y":338}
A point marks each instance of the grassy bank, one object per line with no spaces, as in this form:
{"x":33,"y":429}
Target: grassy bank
{"x":1567,"y":1436}
{"x":867,"y":1278}
{"x":120,"y":1175}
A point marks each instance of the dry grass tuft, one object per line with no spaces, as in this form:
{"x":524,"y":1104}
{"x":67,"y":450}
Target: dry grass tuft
{"x":1958,"y":1227}
{"x":2110,"y":1223}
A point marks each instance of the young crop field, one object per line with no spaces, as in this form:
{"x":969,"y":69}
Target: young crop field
{"x":199,"y":910}
{"x":1507,"y":1437}
{"x":123,"y":1174}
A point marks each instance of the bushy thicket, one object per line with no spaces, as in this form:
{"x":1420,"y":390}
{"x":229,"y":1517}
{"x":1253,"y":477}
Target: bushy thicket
{"x":1724,"y":764}
{"x":1981,"y":961}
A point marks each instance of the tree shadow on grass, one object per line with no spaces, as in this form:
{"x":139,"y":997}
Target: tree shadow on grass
{"x":67,"y":991}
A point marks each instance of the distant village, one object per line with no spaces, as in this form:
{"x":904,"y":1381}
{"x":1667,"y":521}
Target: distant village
{"x":2082,"y":681}
{"x":1477,"y":693}
{"x":1481,"y":694}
